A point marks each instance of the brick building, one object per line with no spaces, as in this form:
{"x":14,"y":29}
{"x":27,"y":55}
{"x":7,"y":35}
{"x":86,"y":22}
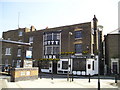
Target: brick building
{"x":82,"y":39}
{"x":112,"y":53}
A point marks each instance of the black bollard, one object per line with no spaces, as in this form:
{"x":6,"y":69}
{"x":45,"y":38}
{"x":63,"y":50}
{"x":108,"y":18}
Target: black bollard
{"x":40,"y":75}
{"x":89,"y":78}
{"x":99,"y":84}
{"x":52,"y":75}
{"x":72,"y":77}
{"x":115,"y":78}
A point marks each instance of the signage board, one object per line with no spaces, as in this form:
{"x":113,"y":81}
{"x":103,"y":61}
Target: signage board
{"x":28,"y":54}
{"x":27,"y":63}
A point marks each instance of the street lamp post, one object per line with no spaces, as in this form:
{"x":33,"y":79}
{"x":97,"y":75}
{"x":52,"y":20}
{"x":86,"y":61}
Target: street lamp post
{"x":99,"y":53}
{"x":69,"y":56}
{"x":52,"y":69}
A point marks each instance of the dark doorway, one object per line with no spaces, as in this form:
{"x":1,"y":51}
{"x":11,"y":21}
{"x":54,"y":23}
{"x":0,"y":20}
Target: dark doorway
{"x":115,"y":67}
{"x":54,"y":68}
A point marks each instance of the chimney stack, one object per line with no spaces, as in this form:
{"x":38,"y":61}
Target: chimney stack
{"x":32,"y":28}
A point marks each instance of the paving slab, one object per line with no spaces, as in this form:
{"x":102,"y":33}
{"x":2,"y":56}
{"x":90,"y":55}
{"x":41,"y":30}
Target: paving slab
{"x":61,"y":83}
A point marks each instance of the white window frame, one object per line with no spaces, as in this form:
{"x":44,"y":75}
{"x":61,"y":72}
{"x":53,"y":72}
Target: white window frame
{"x":18,"y":63}
{"x":8,"y":51}
{"x":117,"y":61}
{"x":19,"y":52}
{"x":6,"y":62}
{"x":13,"y":62}
{"x":31,"y":39}
{"x":46,"y":47}
{"x":20,"y":33}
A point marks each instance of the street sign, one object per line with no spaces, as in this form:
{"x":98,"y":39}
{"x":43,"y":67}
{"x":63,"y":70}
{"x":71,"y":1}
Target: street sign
{"x":28,"y":54}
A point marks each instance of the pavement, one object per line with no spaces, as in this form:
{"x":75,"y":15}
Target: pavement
{"x":61,"y":83}
{"x":57,"y":83}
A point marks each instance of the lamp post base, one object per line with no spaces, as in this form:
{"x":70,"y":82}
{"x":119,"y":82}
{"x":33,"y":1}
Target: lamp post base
{"x":98,"y":85}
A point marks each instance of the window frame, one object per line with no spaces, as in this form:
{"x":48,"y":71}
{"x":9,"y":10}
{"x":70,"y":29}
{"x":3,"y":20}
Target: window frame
{"x":78,"y":35}
{"x":20,"y":33}
{"x":8,"y":51}
{"x":56,"y":50}
{"x":49,"y":36}
{"x":19,"y":52}
{"x":31,"y":39}
{"x":77,"y":49}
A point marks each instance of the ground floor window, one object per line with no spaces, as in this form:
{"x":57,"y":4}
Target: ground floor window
{"x":13,"y":63}
{"x":64,"y":64}
{"x":18,"y":63}
{"x":45,"y":65}
{"x":114,"y":67}
{"x":79,"y":64}
{"x":6,"y":62}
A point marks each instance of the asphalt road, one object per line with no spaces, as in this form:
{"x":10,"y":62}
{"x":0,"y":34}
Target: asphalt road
{"x":44,"y":75}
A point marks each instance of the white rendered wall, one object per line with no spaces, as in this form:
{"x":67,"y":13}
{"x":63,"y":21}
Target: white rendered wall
{"x":90,"y":70}
{"x":96,"y":65}
{"x":60,"y":68}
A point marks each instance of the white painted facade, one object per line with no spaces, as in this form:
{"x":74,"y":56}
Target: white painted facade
{"x":93,"y":67}
{"x":64,"y":71}
{"x":92,"y":70}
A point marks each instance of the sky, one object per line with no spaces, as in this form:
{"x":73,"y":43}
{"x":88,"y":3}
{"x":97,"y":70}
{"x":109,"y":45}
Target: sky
{"x":55,"y":13}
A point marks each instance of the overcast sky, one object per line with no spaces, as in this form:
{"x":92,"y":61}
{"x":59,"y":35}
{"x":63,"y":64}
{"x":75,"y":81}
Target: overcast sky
{"x":55,"y":13}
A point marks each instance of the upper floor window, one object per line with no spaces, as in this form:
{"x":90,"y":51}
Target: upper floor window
{"x":56,"y":50}
{"x":48,"y":50}
{"x":20,"y":33}
{"x":49,"y":36}
{"x":19,"y":53}
{"x":52,"y":36}
{"x":31,"y":40}
{"x":78,"y":34}
{"x":78,"y":48}
{"x":56,"y":36}
{"x":8,"y":51}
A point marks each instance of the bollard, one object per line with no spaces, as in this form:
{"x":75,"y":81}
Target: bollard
{"x":72,"y":77}
{"x":40,"y":75}
{"x":68,"y":76}
{"x":89,"y":78}
{"x":115,"y":78}
{"x":52,"y":75}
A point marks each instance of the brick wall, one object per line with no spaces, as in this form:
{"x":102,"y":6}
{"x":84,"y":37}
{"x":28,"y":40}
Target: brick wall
{"x":18,"y":74}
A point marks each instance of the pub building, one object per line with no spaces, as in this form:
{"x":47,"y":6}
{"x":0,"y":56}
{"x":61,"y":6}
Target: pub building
{"x":72,"y":48}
